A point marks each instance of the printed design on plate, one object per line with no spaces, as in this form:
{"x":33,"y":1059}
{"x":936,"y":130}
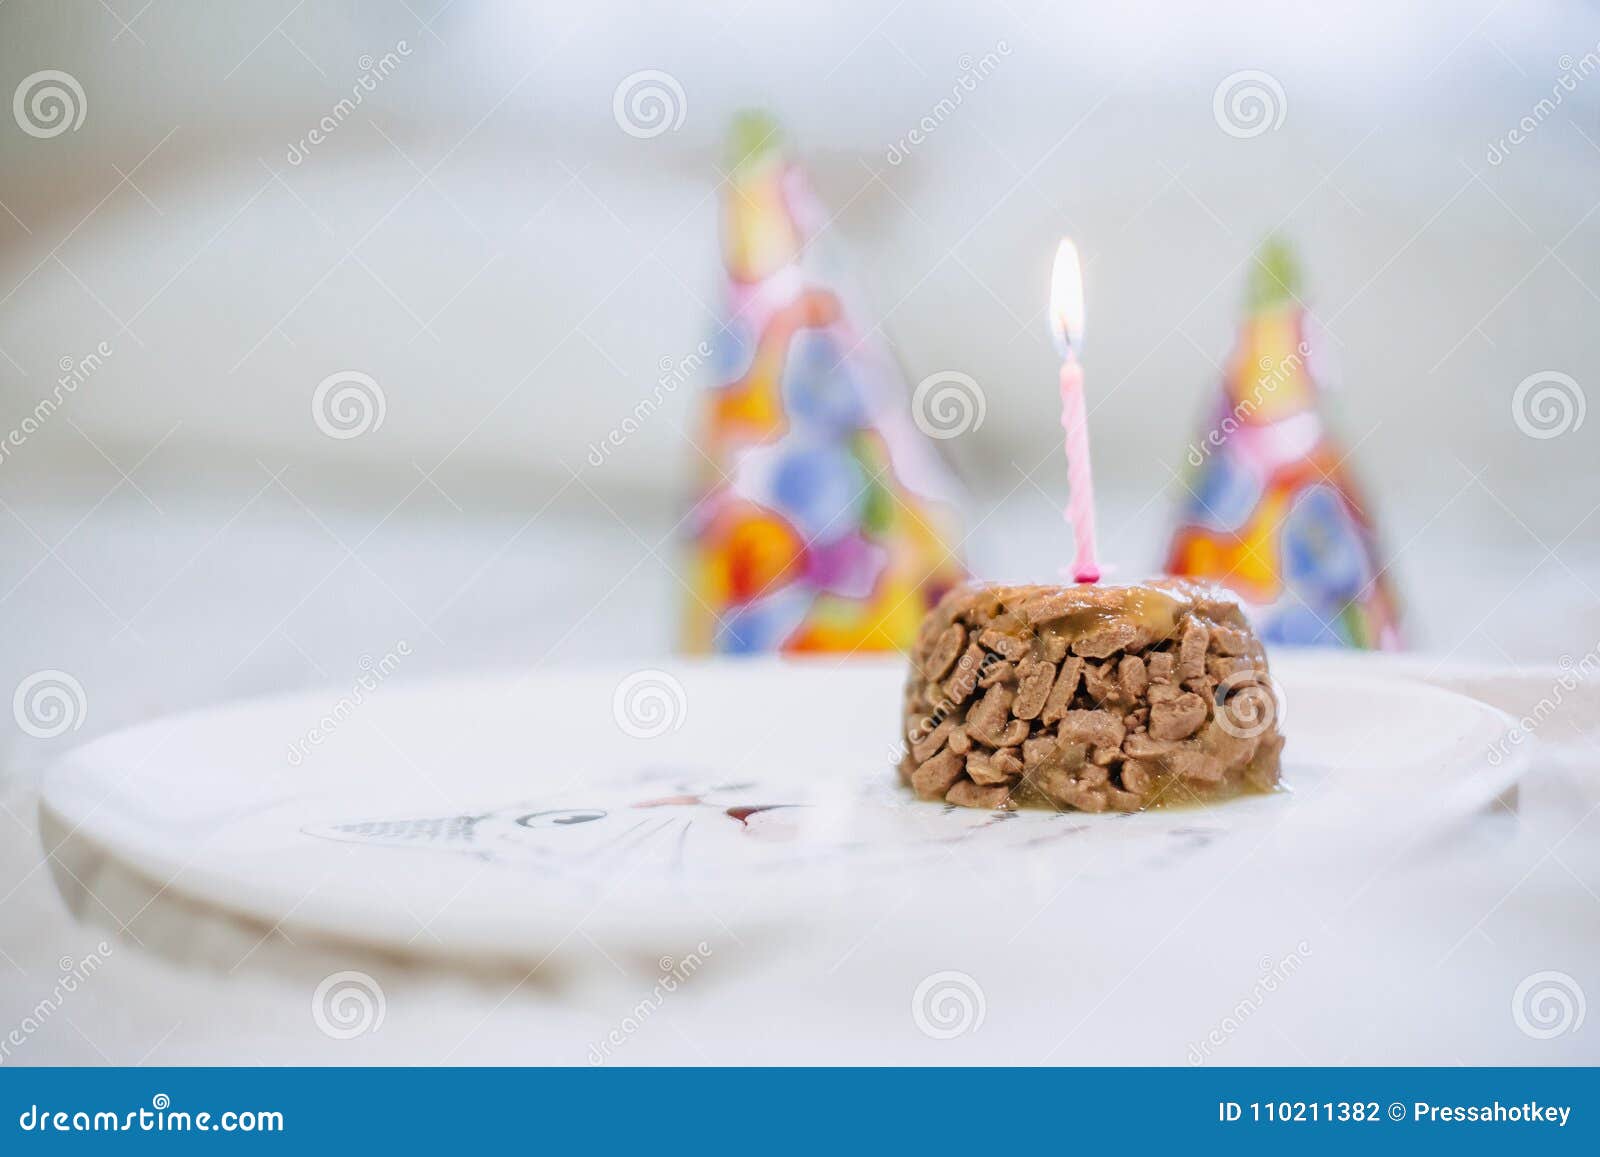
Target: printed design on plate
{"x":824,"y":518}
{"x":644,"y":826}
{"x":667,"y":823}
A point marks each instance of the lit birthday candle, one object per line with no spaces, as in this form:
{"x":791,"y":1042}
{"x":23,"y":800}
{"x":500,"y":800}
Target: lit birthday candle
{"x":1066,"y":327}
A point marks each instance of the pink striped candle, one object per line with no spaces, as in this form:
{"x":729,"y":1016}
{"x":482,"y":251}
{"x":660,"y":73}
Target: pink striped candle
{"x":1066,"y":327}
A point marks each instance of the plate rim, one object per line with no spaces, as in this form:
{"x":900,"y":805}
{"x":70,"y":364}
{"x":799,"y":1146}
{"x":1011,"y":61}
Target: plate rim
{"x":226,"y":892}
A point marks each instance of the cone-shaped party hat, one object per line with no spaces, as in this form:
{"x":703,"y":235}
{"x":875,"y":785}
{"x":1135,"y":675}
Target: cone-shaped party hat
{"x":824,"y":520}
{"x":1271,"y":509}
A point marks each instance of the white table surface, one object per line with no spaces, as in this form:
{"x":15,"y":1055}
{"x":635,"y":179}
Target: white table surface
{"x":208,"y":600}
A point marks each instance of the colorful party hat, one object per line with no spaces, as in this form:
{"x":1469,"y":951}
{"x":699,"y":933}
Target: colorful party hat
{"x":823,"y":518}
{"x":1271,"y":509}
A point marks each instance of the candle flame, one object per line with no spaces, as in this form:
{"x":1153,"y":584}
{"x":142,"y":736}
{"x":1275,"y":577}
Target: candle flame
{"x":1066,"y":300}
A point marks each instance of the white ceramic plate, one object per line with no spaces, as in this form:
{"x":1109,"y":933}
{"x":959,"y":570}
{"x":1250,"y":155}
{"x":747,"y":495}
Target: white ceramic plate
{"x":495,"y":815}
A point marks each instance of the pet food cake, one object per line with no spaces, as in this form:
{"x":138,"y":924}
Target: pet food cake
{"x":1089,"y":697}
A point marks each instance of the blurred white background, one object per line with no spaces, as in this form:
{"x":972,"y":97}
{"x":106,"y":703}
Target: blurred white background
{"x":483,"y":239}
